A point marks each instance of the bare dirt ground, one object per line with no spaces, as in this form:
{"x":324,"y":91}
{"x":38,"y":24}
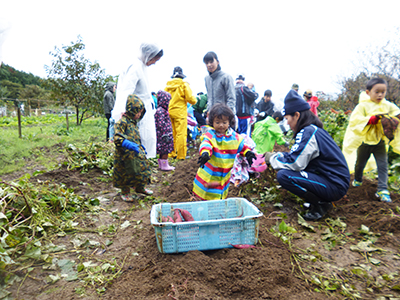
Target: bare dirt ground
{"x":273,"y":270}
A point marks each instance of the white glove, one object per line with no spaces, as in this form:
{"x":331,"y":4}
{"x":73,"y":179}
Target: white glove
{"x":262,"y":114}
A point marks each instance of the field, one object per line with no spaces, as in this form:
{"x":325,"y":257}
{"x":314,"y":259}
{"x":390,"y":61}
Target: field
{"x":95,"y":246}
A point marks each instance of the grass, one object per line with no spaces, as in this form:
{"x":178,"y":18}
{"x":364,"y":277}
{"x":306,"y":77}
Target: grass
{"x":39,"y":141}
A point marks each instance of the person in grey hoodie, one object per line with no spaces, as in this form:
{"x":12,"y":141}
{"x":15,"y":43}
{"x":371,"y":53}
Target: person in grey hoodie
{"x":220,"y":86}
{"x":108,"y":102}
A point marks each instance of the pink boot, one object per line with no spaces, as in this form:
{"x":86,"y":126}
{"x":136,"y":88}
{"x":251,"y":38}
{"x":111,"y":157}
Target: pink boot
{"x":164,"y":166}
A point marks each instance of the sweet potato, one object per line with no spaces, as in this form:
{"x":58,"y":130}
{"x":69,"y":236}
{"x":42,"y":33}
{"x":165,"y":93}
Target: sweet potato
{"x":177,"y":216}
{"x":167,"y":219}
{"x":187,"y":216}
{"x":241,"y":215}
{"x":243,"y":246}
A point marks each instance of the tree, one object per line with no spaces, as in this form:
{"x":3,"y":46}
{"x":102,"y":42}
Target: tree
{"x":13,"y":88}
{"x":9,"y":73}
{"x":75,"y":81}
{"x":382,"y":61}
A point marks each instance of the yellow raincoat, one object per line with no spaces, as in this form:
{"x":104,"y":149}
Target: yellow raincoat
{"x":181,"y":94}
{"x":358,"y":131}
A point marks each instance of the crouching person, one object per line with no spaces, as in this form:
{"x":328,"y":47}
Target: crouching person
{"x":315,"y":168}
{"x":131,"y":167}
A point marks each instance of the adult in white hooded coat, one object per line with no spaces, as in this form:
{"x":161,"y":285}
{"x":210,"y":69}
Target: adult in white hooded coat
{"x":134,"y":81}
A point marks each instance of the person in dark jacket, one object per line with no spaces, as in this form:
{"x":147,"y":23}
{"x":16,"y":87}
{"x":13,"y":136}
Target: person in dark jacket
{"x":108,"y":103}
{"x":265,"y":107}
{"x":315,"y":168}
{"x":245,"y":98}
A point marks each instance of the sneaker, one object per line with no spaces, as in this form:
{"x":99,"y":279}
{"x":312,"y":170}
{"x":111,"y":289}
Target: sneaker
{"x":383,"y":196}
{"x":357,"y":183}
{"x":144,"y":191}
{"x":127,"y":198}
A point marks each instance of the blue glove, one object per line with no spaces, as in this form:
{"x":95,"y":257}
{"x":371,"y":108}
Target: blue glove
{"x":144,"y":149}
{"x":130,"y":145}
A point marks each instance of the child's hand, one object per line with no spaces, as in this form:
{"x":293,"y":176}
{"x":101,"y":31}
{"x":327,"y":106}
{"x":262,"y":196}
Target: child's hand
{"x":374,"y":120}
{"x":130,"y":145}
{"x":203,"y":159}
{"x":250,"y":156}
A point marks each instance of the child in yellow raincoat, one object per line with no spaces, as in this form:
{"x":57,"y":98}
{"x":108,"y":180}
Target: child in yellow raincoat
{"x":364,"y":136}
{"x":181,"y":94}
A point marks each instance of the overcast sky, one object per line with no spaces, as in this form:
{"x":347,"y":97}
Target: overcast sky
{"x":274,"y":43}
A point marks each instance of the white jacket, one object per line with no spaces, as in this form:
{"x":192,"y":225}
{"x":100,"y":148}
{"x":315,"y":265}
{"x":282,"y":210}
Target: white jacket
{"x":134,"y":81}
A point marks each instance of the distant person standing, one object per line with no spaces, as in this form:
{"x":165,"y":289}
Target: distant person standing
{"x":265,"y":107}
{"x":220,"y":86}
{"x":181,"y":95}
{"x":134,"y":81}
{"x":165,"y":139}
{"x":108,"y":103}
{"x":312,"y":101}
{"x":245,"y":98}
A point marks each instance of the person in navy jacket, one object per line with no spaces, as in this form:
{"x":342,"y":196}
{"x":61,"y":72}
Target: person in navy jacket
{"x":315,"y":168}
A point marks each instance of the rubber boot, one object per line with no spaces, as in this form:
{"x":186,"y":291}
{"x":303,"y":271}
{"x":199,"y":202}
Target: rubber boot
{"x":160,"y":164}
{"x":318,"y":211}
{"x":317,"y":208}
{"x":165,"y":166}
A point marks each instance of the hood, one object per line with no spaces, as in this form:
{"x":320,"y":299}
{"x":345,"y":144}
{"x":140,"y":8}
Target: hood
{"x":163,"y":99}
{"x":365,"y":98}
{"x":173,"y":85}
{"x":314,"y":98}
{"x":133,"y":106}
{"x":109,"y":86}
{"x":148,"y":51}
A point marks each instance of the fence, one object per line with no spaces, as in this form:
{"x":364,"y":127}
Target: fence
{"x":24,"y":107}
{"x":31,"y":107}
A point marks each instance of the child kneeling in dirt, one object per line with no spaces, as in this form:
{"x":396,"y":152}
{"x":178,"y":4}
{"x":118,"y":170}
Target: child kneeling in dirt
{"x":218,"y":150}
{"x":131,"y":167}
{"x":315,"y":168}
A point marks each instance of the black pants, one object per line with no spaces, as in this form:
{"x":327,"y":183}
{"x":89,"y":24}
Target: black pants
{"x":200,"y":120}
{"x":380,"y":154}
{"x":108,"y":116}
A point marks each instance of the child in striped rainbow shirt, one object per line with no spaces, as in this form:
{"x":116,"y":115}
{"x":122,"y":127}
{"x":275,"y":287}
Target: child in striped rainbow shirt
{"x":218,"y":150}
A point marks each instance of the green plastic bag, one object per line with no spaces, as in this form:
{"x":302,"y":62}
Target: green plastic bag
{"x":265,"y":134}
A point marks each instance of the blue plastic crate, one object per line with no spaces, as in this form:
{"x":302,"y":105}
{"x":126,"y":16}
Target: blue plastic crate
{"x":218,"y":224}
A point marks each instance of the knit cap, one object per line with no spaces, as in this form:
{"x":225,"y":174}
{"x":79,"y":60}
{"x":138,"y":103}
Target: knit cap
{"x":294,"y":102}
